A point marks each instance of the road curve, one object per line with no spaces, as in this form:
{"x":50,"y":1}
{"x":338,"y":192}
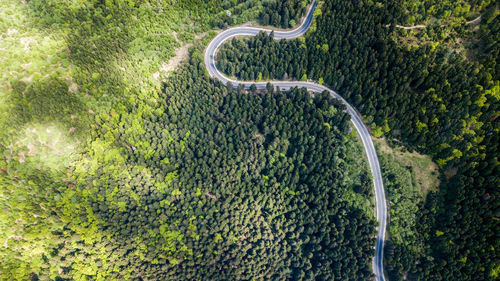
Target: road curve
{"x":210,"y":52}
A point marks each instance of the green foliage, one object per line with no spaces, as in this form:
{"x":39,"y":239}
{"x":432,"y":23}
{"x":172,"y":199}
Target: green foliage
{"x":71,"y":73}
{"x":265,"y":58}
{"x":196,"y":217}
{"x":358,"y":181}
{"x":427,"y":95}
{"x":105,"y":177}
{"x":169,"y":183}
{"x":376,"y":130}
{"x":405,"y":197}
{"x":420,"y":11}
{"x":405,"y":200}
{"x":285,"y":14}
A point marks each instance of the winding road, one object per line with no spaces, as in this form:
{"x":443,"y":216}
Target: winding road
{"x":210,"y":52}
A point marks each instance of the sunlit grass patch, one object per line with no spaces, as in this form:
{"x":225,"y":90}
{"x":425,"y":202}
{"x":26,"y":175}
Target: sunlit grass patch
{"x":45,"y":144}
{"x":424,"y":170}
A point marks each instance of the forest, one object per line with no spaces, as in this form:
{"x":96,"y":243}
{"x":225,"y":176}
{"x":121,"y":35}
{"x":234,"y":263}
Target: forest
{"x":284,"y":14}
{"x":107,"y":174}
{"x":188,"y":197}
{"x":433,"y":99}
{"x":113,"y":170}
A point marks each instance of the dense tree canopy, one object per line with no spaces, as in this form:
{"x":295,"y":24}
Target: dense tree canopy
{"x":104,"y":176}
{"x":434,"y":99}
{"x":283,"y":14}
{"x":106,"y":173}
{"x":226,"y":185}
{"x":210,"y":184}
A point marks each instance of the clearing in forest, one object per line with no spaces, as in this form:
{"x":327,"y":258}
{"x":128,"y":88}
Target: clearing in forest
{"x":422,"y":167}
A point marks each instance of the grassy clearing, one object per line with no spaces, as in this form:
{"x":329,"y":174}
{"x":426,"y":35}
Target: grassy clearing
{"x":408,"y":177}
{"x":424,"y":171}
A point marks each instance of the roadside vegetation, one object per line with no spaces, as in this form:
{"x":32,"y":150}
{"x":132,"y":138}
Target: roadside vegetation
{"x":425,"y":11}
{"x":408,"y":177}
{"x":284,"y":14}
{"x":358,"y":178}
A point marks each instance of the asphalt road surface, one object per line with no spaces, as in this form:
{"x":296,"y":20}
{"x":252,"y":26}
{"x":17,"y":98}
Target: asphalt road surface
{"x":210,"y":52}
